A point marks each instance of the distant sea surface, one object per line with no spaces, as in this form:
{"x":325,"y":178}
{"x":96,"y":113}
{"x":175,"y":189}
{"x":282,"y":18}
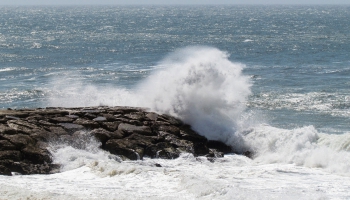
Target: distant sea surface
{"x":274,"y":79}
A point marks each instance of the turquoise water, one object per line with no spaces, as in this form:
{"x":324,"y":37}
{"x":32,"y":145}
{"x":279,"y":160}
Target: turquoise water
{"x":297,"y":57}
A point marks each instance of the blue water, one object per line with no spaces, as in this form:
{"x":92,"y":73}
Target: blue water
{"x":297,"y":57}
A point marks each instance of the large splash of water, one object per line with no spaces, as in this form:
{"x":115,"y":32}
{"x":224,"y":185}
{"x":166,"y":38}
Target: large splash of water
{"x":203,"y":88}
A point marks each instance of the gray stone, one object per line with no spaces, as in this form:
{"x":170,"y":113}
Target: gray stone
{"x":20,"y":140}
{"x":152,"y":116}
{"x":10,"y":155}
{"x":71,"y":127}
{"x":100,"y":119}
{"x":6,"y":145}
{"x":143,"y":130}
{"x":89,"y":124}
{"x":110,"y":126}
{"x":62,"y":120}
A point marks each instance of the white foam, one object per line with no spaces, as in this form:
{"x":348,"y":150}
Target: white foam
{"x":301,"y":146}
{"x":203,"y":88}
{"x":233,"y":177}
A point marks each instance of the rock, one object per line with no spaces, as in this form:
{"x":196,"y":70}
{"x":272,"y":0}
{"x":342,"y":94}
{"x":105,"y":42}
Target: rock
{"x":10,"y":155}
{"x":90,"y":116}
{"x":6,"y":145}
{"x":57,"y":130}
{"x":143,"y":130}
{"x":20,"y":140}
{"x":152,"y":116}
{"x":109,"y":117}
{"x":62,"y":119}
{"x":126,"y":132}
{"x":5,"y":171}
{"x":139,"y":116}
{"x":158,"y":165}
{"x":173,"y":130}
{"x":22,"y":126}
{"x":110,"y":126}
{"x":102,"y":134}
{"x":162,"y":150}
{"x":6,"y":130}
{"x":220,"y":146}
{"x":89,"y":124}
{"x":132,"y":147}
{"x":73,"y":116}
{"x":122,"y":147}
{"x":71,"y":127}
{"x":12,"y":117}
{"x":100,"y":119}
{"x":36,"y":155}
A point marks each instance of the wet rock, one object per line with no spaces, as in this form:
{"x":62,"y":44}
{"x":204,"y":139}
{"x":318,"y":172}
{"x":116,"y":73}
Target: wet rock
{"x":5,"y":171}
{"x":143,"y":130}
{"x":173,"y":130}
{"x":126,"y":132}
{"x":90,"y":116}
{"x":71,"y":127}
{"x":89,"y":124}
{"x":57,"y":130}
{"x":6,"y":145}
{"x":101,"y":134}
{"x":100,"y":119}
{"x":110,"y":126}
{"x":123,"y":147}
{"x":109,"y":117}
{"x":152,"y":116}
{"x":220,"y":146}
{"x":36,"y":155}
{"x":12,"y":117}
{"x":73,"y":116}
{"x":7,"y":130}
{"x":162,"y":150}
{"x":20,"y":140}
{"x":10,"y":155}
{"x":62,"y":119}
{"x":22,"y":126}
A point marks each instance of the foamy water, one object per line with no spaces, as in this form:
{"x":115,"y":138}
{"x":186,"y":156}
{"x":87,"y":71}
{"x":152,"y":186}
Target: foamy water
{"x":233,"y":177}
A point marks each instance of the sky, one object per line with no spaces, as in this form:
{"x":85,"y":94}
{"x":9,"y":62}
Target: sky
{"x":167,"y":2}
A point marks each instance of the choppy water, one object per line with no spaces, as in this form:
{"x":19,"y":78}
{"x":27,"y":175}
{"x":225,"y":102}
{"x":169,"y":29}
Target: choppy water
{"x":274,"y":79}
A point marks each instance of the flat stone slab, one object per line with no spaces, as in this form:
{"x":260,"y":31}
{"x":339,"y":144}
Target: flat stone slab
{"x":71,"y":126}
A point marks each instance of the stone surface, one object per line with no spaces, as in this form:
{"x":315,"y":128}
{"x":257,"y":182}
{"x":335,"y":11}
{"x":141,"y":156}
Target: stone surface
{"x":127,"y":132}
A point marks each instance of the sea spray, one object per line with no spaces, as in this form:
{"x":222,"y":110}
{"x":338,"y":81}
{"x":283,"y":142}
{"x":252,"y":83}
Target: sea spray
{"x":77,"y":151}
{"x":201,"y":86}
{"x":303,"y":146}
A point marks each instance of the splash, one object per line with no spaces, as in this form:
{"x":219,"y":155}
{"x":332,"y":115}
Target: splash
{"x":201,"y":86}
{"x":303,"y":146}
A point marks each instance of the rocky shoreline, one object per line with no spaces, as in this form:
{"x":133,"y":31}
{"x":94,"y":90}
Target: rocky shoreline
{"x":128,"y":132}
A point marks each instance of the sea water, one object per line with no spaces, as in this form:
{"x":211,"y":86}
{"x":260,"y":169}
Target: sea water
{"x":273,"y":80}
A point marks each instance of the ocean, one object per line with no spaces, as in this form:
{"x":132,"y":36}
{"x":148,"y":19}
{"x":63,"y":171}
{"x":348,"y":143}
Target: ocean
{"x":273,"y":80}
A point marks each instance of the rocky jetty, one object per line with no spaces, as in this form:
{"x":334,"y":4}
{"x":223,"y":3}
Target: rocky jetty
{"x":128,"y":132}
